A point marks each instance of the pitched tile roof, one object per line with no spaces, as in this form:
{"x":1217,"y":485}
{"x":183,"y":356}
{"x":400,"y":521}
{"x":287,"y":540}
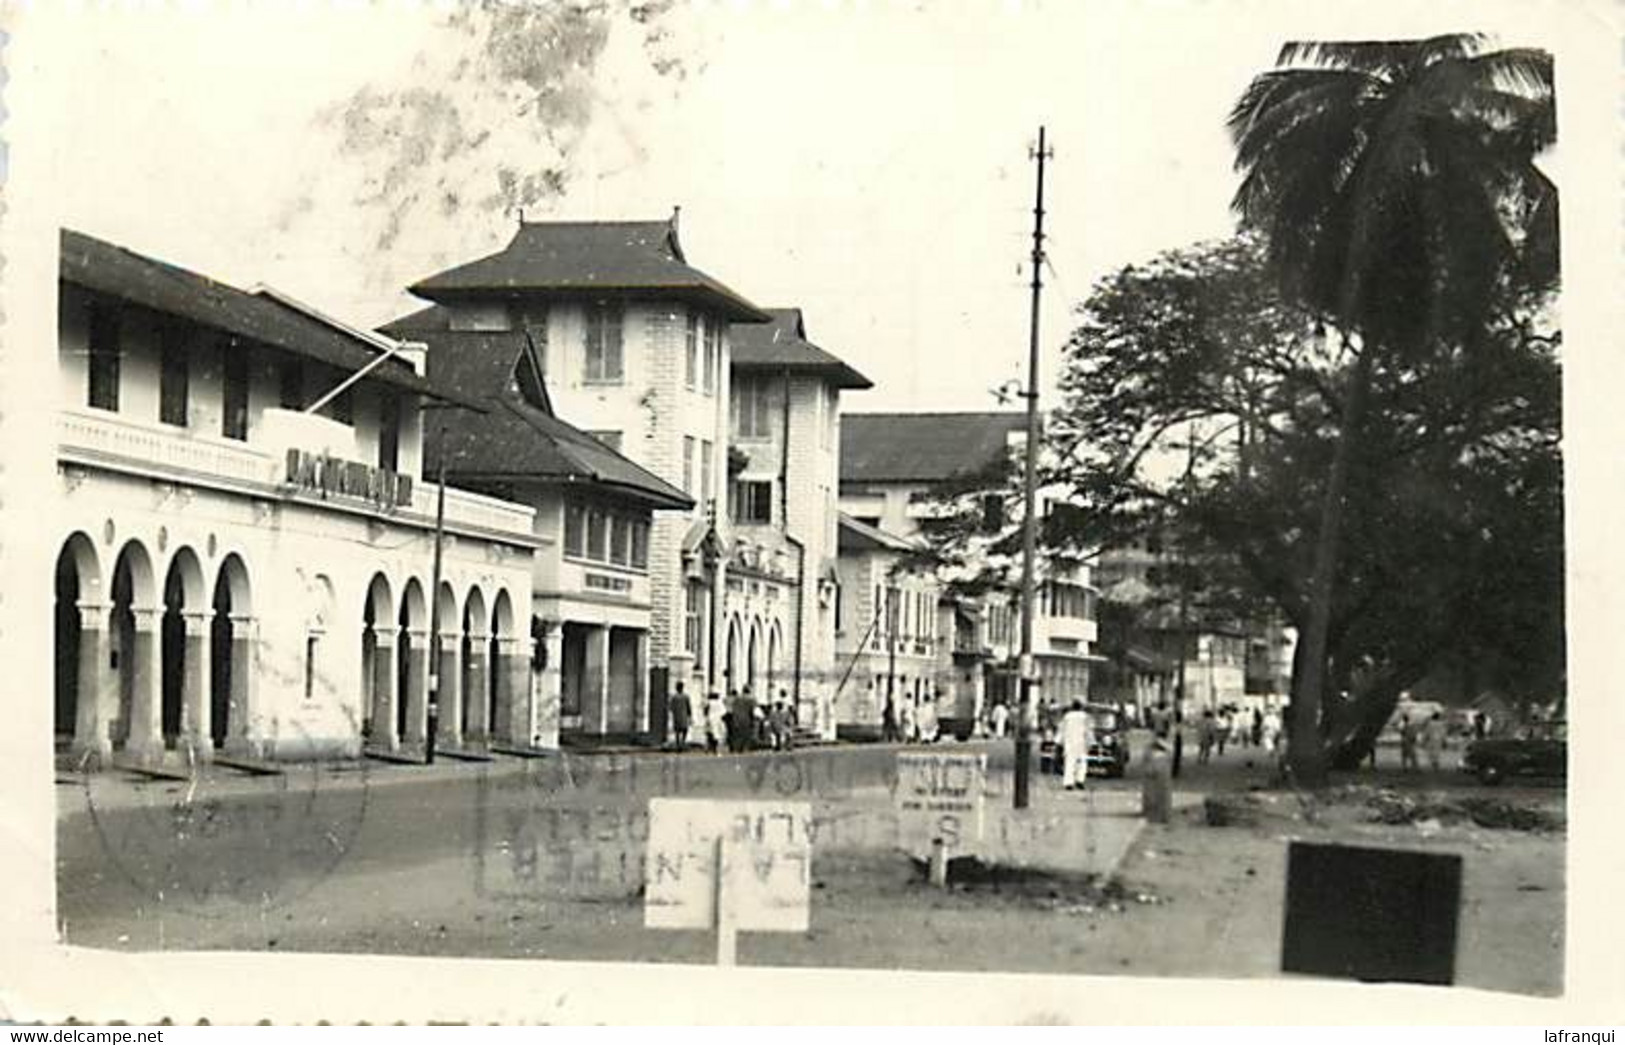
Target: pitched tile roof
{"x":923,"y":447}
{"x":265,"y":318}
{"x":782,"y":345}
{"x":617,"y":258}
{"x":518,"y":438}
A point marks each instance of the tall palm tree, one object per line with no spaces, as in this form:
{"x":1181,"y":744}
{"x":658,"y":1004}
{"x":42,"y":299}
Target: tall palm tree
{"x":1396,"y":186}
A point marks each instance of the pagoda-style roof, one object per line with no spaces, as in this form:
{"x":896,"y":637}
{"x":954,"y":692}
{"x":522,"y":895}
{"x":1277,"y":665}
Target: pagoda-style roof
{"x":614,"y":259}
{"x":782,"y":344}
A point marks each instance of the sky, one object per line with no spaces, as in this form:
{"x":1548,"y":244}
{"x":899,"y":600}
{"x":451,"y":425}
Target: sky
{"x":868,"y":162}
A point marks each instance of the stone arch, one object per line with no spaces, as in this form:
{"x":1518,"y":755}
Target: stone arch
{"x":132,"y":637}
{"x":473,"y":654}
{"x":446,"y":648}
{"x":735,"y":665}
{"x":508,"y":668}
{"x":753,"y":659}
{"x":379,"y":624}
{"x":232,"y":645}
{"x":183,"y":653}
{"x":80,"y":660}
{"x":775,"y":652}
{"x":411,"y":663}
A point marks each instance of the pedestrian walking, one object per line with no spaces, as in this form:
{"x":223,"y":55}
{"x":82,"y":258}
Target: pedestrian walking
{"x":1433,"y":740}
{"x":778,"y":725}
{"x":1074,"y":747}
{"x":1222,"y":735}
{"x":928,"y":720}
{"x":1001,"y":720}
{"x":1206,"y":736}
{"x":716,"y":723}
{"x":1407,"y":743}
{"x":1257,"y":738}
{"x":1480,"y":725}
{"x":1272,"y":731}
{"x":906,"y":721}
{"x":681,"y":712}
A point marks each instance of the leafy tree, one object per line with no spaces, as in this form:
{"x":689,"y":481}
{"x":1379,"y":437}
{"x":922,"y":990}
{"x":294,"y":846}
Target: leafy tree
{"x":1395,"y":186}
{"x":1202,"y":406}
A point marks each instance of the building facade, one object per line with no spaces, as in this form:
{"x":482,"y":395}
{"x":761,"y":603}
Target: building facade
{"x":246,"y":539}
{"x":886,"y":632}
{"x":635,"y":348}
{"x":784,"y":447}
{"x":892,"y":468}
{"x":594,"y":515}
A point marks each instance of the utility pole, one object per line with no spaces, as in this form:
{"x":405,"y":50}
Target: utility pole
{"x":433,"y":653}
{"x":1029,"y":522}
{"x":1184,"y":610}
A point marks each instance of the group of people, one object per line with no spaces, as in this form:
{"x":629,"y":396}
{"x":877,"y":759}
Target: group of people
{"x":1431,"y":736}
{"x":904,"y":722}
{"x":740,"y":723}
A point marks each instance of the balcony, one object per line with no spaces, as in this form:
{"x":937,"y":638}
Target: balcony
{"x":1067,"y":629}
{"x":113,"y":442}
{"x":472,"y":511}
{"x":175,"y":455}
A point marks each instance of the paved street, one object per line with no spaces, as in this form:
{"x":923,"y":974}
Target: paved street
{"x":331,"y":859}
{"x":542,"y":859}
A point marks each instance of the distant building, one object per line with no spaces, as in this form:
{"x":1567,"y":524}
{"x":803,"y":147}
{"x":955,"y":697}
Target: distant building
{"x":886,"y":640}
{"x":245,"y":537}
{"x":892,"y":465}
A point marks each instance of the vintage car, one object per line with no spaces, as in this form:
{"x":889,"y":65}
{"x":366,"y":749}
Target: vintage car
{"x":1108,"y":744}
{"x":1539,"y":749}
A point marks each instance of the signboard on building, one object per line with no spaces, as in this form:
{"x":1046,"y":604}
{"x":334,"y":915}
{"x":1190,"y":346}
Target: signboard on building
{"x":331,"y":476}
{"x":756,"y":855}
{"x":940,"y":796}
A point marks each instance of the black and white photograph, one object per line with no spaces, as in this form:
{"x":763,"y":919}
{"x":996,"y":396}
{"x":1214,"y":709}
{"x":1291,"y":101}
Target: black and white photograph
{"x":631,"y":488}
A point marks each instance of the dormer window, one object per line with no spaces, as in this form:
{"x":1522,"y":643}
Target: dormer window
{"x":604,"y":356}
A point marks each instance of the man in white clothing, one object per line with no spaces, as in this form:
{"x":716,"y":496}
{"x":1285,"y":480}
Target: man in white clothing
{"x":1075,"y":746}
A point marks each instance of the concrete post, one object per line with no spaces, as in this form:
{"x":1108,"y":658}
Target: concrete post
{"x":145,"y":742}
{"x":243,"y":734}
{"x":417,"y":688}
{"x":477,"y":687}
{"x":384,"y":732}
{"x":196,"y":734}
{"x":595,"y":684}
{"x":449,"y":666}
{"x":90,"y":736}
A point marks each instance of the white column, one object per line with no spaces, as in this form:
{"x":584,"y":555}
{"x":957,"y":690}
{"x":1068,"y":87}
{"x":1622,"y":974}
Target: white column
{"x":90,"y":735}
{"x":195,"y":732}
{"x":145,"y":741}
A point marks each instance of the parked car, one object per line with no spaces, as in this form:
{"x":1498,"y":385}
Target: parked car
{"x":1538,"y":749}
{"x":1108,"y":746}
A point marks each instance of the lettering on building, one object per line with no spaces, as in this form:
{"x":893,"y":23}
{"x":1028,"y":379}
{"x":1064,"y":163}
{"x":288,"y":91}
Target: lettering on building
{"x":330,"y":476}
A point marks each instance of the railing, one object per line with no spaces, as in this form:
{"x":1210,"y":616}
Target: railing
{"x":159,"y":452}
{"x":188,"y":457}
{"x":474,"y":510}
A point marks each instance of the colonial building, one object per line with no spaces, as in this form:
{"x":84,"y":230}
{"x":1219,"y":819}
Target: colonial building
{"x":892,"y":467}
{"x":784,"y":441}
{"x":245,"y":537}
{"x":634,"y":346}
{"x":886,"y":637}
{"x":594,"y":516}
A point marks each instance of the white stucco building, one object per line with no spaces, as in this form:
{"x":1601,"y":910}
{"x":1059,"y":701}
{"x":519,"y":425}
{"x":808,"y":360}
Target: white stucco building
{"x":239,"y":573}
